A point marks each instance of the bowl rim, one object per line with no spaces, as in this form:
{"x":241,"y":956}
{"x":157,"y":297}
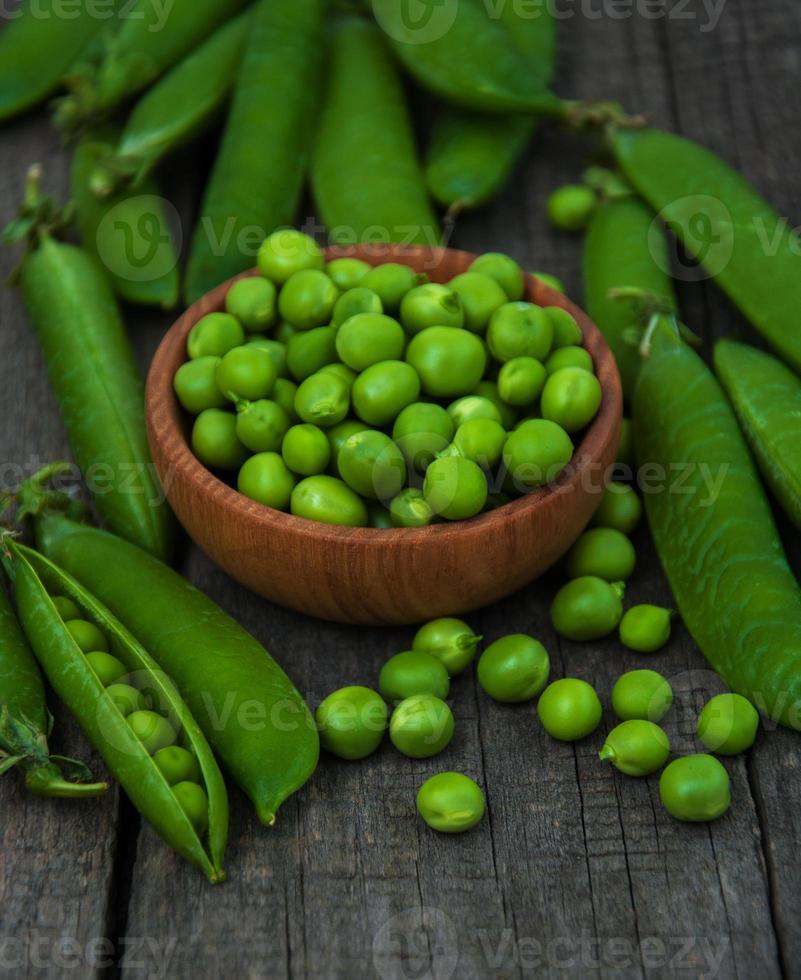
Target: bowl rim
{"x":166,"y":418}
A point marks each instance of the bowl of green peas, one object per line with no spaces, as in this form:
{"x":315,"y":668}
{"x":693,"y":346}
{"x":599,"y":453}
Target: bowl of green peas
{"x":383,"y":434}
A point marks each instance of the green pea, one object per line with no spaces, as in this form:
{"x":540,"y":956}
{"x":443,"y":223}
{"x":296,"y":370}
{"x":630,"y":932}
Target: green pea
{"x":571,"y":398}
{"x":569,"y":357}
{"x":346,"y":273}
{"x":603,"y":553}
{"x":86,"y":635}
{"x":587,"y":608}
{"x":450,"y":802}
{"x":347,"y":374}
{"x":636,"y":748}
{"x":379,"y":516}
{"x":489,"y":389}
{"x":307,"y":299}
{"x":152,"y":730}
{"x":338,"y":436}
{"x":177,"y":765}
{"x":625,"y":452}
{"x":482,"y":441}
{"x":323,"y":399}
{"x":309,"y":351}
{"x":504,"y":270}
{"x":215,"y":442}
{"x":261,"y":425}
{"x":571,"y":207}
{"x":695,"y":789}
{"x":284,"y":331}
{"x":421,"y":726}
{"x":519,"y":330}
{"x":421,"y":431}
{"x":470,"y":407}
{"x":267,"y":479}
{"x":306,"y":449}
{"x":521,"y":380}
{"x":450,"y":640}
{"x":65,"y":607}
{"x":554,"y":282}
{"x":245,"y":373}
{"x":455,"y":488}
{"x":253,"y":302}
{"x":195,"y":804}
{"x":514,"y":669}
{"x":214,"y":335}
{"x":410,"y":509}
{"x":481,"y":296}
{"x":392,"y":281}
{"x":275,"y":349}
{"x":372,"y":465}
{"x":284,"y":392}
{"x":383,"y":390}
{"x":413,"y":672}
{"x":126,"y":698}
{"x":566,"y":331}
{"x":107,"y":668}
{"x":620,"y":508}
{"x":536,"y":453}
{"x":352,"y":722}
{"x":196,"y":386}
{"x":641,"y":695}
{"x":355,"y":301}
{"x":728,"y":724}
{"x":431,"y":305}
{"x":329,"y":500}
{"x":286,"y":252}
{"x":368,"y":338}
{"x":645,"y":628}
{"x":450,"y":361}
{"x":569,"y":709}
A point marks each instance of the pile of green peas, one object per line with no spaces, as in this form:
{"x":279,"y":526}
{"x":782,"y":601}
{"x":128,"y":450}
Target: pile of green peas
{"x":156,"y":732}
{"x":369,"y":396}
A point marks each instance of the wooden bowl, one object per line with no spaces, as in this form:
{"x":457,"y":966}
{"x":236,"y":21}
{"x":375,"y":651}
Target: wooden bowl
{"x":363,"y":575}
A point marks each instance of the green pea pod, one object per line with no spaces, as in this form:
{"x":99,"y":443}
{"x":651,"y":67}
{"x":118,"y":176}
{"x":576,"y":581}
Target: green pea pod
{"x":38,"y":46}
{"x":365,"y":122}
{"x":128,"y":233}
{"x":624,"y":249}
{"x":257,"y":179}
{"x":68,"y":671}
{"x":252,"y":714}
{"x":767,"y":399}
{"x":473,"y":154}
{"x":94,"y":375}
{"x":25,"y":721}
{"x":714,"y":530}
{"x":178,"y":107}
{"x":750,"y":251}
{"x":460,"y":53}
{"x":151,"y":38}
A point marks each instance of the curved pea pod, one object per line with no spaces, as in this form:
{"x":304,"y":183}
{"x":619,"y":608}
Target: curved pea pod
{"x":93,"y":372}
{"x":714,"y":530}
{"x":750,"y":251}
{"x":472,"y":154}
{"x":460,"y":53}
{"x":35,"y":579}
{"x":624,"y":249}
{"x":257,"y":179}
{"x":179,"y":106}
{"x":365,"y":122}
{"x":254,"y":717}
{"x":766,"y":397}
{"x":25,"y":722}
{"x":37,"y":47}
{"x":129,"y":233}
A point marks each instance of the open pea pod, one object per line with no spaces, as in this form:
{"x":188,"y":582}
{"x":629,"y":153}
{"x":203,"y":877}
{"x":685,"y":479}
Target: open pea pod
{"x":35,"y":580}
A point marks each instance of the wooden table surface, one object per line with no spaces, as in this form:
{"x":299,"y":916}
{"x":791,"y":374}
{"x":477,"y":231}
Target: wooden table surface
{"x":576,"y":871}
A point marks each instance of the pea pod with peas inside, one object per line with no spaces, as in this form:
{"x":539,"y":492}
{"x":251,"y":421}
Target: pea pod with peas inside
{"x":249,"y":709}
{"x":196,"y":835}
{"x":365,"y":122}
{"x":285,"y":45}
{"x":716,"y":538}
{"x":93,"y":372}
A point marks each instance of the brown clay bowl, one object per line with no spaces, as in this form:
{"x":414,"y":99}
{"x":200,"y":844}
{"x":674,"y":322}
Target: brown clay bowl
{"x":363,"y":575}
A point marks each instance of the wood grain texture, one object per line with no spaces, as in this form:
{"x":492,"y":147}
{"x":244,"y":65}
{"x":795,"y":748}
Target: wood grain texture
{"x":576,"y":872}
